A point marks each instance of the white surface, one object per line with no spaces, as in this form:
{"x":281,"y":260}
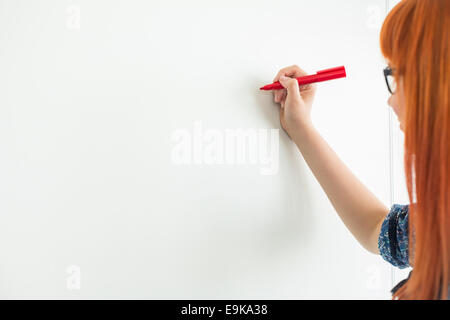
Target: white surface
{"x":86,"y":118}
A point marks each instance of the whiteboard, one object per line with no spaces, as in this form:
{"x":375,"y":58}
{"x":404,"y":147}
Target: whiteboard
{"x":116,"y":177}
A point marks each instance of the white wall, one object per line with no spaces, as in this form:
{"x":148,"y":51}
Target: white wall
{"x":92,"y":94}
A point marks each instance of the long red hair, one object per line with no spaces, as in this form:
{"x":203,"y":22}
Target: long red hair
{"x":415,"y":39}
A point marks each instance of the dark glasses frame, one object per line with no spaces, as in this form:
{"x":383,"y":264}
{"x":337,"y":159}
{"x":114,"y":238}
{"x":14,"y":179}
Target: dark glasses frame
{"x":388,"y":72}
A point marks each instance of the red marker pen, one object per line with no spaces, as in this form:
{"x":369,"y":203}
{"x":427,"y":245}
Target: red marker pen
{"x":323,"y":75}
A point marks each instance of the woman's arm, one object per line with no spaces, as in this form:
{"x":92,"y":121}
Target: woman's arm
{"x":358,"y":208}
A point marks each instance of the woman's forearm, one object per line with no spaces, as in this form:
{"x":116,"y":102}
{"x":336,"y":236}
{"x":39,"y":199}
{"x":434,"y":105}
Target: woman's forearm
{"x":358,"y":208}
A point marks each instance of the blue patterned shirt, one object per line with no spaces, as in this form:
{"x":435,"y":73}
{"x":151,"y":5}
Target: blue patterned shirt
{"x":393,"y":239}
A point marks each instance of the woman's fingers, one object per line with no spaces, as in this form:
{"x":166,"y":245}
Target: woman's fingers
{"x":293,"y":90}
{"x":279,"y":95}
{"x":293,"y":71}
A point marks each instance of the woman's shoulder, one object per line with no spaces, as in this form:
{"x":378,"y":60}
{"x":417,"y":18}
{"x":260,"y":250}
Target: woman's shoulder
{"x":393,"y":241}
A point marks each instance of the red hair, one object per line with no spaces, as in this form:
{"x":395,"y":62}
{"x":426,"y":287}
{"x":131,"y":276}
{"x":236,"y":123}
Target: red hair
{"x":415,"y":40}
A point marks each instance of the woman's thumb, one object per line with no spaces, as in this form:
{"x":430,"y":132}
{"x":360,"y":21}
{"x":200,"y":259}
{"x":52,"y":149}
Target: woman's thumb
{"x":292,"y":87}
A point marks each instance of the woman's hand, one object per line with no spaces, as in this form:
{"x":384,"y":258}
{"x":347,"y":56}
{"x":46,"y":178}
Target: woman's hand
{"x":295,"y":101}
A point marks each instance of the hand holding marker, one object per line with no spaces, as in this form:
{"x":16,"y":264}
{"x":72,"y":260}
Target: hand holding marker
{"x":323,"y":75}
{"x":295,"y":111}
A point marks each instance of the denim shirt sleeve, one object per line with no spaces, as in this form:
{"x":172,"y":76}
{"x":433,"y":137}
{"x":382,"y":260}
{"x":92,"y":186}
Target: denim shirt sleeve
{"x":393,"y":239}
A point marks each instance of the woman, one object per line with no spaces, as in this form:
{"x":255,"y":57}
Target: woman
{"x":415,"y":39}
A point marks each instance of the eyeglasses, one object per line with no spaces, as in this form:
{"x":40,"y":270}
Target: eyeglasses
{"x":390,"y":80}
